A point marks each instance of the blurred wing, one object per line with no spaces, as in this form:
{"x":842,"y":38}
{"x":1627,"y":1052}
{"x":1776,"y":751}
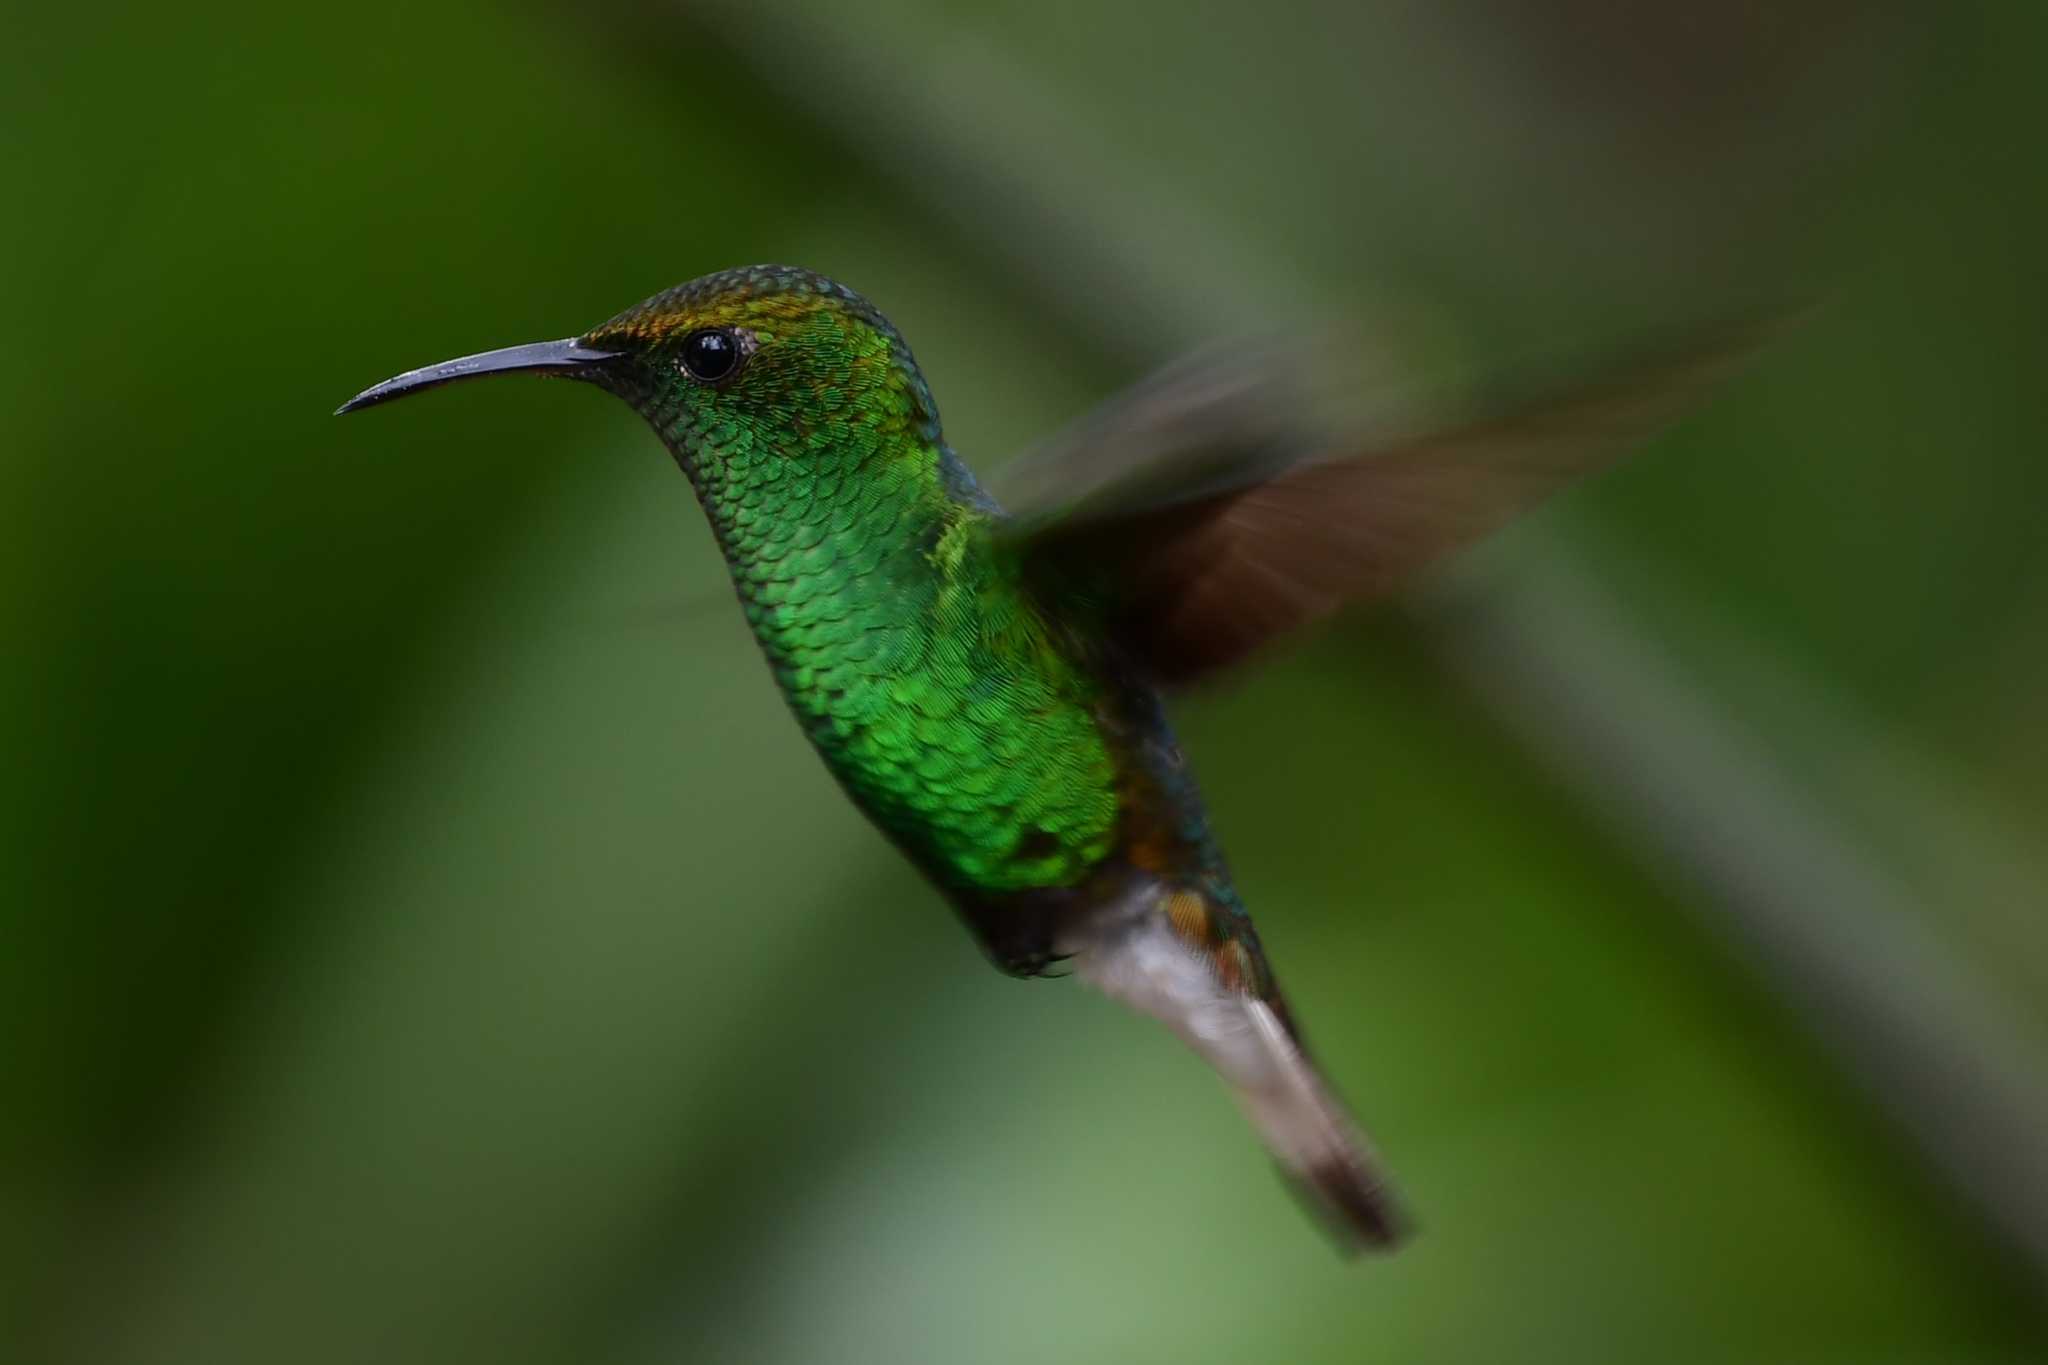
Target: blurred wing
{"x":1237,"y":522}
{"x":1215,"y":420}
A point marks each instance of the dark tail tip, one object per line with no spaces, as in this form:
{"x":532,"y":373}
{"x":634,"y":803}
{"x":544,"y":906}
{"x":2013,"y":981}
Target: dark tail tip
{"x":1358,"y":1211}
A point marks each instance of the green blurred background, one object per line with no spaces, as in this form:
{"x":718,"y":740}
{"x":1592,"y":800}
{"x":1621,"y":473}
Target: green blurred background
{"x":426,"y":939}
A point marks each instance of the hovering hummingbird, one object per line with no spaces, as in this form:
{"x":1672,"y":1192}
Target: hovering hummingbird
{"x":986,"y":683}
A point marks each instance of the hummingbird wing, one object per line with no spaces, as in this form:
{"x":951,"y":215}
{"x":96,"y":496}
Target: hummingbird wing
{"x":1247,"y":492}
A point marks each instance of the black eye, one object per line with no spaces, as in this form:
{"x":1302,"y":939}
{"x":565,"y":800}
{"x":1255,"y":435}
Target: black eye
{"x":711,"y":355}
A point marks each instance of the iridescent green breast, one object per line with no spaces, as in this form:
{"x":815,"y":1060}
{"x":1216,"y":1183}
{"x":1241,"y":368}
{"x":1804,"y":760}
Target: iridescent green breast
{"x":948,"y":707}
{"x":931,"y":687}
{"x":937,"y":697}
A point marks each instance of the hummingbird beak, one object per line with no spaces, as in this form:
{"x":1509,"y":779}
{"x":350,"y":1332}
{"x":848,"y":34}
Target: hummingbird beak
{"x":539,"y":357}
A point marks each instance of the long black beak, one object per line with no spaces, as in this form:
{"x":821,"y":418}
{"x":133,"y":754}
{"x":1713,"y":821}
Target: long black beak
{"x":540,"y":357}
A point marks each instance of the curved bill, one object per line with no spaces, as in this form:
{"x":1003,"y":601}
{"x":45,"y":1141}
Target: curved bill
{"x":539,"y":357}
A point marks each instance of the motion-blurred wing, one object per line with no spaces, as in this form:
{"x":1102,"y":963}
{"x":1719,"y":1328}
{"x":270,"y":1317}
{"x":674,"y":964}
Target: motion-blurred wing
{"x":1212,"y":508}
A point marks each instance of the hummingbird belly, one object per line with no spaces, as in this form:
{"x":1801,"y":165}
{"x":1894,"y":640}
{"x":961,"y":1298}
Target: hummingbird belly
{"x":954,"y":721}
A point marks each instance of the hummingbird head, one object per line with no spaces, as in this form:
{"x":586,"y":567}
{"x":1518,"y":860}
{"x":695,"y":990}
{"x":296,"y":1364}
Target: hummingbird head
{"x":743,"y":364}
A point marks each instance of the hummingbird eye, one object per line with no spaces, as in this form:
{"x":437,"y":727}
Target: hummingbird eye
{"x":711,"y":355}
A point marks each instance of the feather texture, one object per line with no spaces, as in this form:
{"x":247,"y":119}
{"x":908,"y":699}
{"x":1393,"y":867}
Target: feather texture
{"x":1219,"y":516}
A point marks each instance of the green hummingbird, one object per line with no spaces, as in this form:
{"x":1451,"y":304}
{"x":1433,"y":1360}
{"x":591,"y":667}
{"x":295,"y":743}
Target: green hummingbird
{"x":986,"y":682}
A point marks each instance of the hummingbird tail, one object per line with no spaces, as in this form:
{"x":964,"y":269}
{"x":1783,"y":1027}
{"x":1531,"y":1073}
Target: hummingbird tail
{"x":1248,"y":1039}
{"x":1317,"y":1146}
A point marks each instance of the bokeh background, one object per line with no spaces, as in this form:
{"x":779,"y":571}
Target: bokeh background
{"x":423,"y":937}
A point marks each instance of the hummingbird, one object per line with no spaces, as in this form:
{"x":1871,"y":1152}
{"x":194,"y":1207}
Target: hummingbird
{"x":986,"y":679}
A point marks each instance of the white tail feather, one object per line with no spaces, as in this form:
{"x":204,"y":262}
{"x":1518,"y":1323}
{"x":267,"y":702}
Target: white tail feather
{"x":1146,"y":965}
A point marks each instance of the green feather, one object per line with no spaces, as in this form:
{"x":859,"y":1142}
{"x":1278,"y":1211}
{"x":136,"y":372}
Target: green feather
{"x":938,"y":694}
